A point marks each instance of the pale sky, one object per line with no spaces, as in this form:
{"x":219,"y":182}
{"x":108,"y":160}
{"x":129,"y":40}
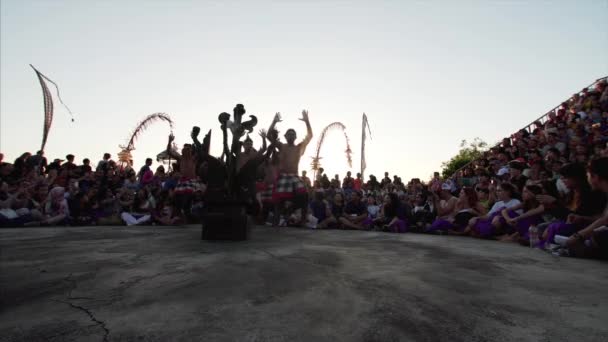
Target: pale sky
{"x":428,"y":74}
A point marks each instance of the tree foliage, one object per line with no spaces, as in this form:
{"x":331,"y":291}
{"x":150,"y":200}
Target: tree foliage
{"x":468,"y":152}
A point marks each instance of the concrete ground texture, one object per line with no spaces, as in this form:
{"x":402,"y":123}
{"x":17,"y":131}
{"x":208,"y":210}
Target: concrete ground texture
{"x":285,"y":284}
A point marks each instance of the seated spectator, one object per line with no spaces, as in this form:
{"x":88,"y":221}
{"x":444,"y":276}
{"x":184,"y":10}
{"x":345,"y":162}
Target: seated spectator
{"x":108,"y":209}
{"x":373,"y":209}
{"x":422,"y":212}
{"x":392,"y":215}
{"x":516,"y":168}
{"x":166,"y":214}
{"x":337,"y":211}
{"x":443,"y":202}
{"x":139,"y":208}
{"x":131,"y":183}
{"x":517,"y":226}
{"x":355,"y":212}
{"x":489,"y":225}
{"x":467,"y":206}
{"x":584,"y":205}
{"x":56,"y":210}
{"x":319,"y":209}
{"x":592,"y":241}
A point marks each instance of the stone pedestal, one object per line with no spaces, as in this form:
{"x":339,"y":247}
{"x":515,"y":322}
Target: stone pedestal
{"x":226,"y":221}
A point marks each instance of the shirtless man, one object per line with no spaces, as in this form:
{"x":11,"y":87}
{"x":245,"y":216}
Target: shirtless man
{"x":188,"y":183}
{"x":249,"y":153}
{"x":288,"y":185}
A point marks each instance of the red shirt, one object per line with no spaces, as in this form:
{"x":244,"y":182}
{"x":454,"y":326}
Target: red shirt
{"x":357,"y":184}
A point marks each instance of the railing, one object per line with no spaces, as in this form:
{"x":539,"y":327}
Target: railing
{"x":529,"y":128}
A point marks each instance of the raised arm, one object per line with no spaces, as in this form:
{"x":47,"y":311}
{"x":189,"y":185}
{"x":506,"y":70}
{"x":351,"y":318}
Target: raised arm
{"x":275,"y":120}
{"x":264,"y":145}
{"x":194,"y":135}
{"x":308,"y":136}
{"x":169,"y":148}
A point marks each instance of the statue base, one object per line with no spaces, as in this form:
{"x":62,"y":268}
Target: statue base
{"x":226,"y":221}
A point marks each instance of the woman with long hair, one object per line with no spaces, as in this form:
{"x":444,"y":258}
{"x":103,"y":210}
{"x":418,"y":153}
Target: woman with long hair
{"x":140,"y":208}
{"x":467,"y":206}
{"x":488,"y":225}
{"x":392,"y":216}
{"x":517,"y":226}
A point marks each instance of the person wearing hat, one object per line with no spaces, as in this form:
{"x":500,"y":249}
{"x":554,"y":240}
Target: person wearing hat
{"x":444,"y":201}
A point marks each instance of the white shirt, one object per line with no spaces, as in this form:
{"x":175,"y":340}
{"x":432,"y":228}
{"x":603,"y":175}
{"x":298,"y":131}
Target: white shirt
{"x":373,"y":210}
{"x":502,"y":204}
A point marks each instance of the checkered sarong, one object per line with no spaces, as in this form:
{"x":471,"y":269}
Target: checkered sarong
{"x":266,"y":193}
{"x":187,"y":186}
{"x":286,"y":186}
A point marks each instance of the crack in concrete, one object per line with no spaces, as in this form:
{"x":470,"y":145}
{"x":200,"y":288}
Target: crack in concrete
{"x":102,"y":324}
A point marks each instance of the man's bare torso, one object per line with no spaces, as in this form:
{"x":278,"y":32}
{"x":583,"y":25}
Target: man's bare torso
{"x":289,"y":158}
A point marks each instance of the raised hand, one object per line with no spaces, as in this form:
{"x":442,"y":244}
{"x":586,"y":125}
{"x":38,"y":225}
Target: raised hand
{"x":195,"y":132}
{"x":304,"y":116}
{"x":171,"y":138}
{"x":277,"y":118}
{"x":263,"y":133}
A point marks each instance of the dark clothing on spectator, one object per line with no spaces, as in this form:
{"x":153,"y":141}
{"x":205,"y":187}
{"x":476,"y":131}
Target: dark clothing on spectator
{"x":53,"y":166}
{"x":519,"y":182}
{"x":319,"y":210}
{"x":348,"y":183}
{"x":85,"y":168}
{"x":353,"y":208}
{"x":337,"y":211}
{"x":592,"y":203}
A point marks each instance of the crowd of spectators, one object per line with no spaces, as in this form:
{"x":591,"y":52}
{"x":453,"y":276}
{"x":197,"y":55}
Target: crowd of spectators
{"x":552,"y":176}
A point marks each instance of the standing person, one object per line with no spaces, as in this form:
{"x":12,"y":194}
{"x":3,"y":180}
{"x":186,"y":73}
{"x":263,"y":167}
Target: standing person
{"x":319,"y":176}
{"x":348,"y":184}
{"x":373,"y":185}
{"x":357,"y":182}
{"x":20,"y":165}
{"x":335,"y":183}
{"x":70,"y":166}
{"x":187,"y":183}
{"x":55,"y":165}
{"x":102,"y":165}
{"x":86,"y":166}
{"x":37,"y":162}
{"x":306,"y":181}
{"x":386,"y":180}
{"x":288,"y":185}
{"x":145,"y":174}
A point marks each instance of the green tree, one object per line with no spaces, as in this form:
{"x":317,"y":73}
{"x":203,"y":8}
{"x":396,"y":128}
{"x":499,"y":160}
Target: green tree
{"x":468,"y":152}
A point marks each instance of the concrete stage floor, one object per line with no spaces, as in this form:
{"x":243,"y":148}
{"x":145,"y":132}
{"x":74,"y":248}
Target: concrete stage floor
{"x":165,"y":284}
